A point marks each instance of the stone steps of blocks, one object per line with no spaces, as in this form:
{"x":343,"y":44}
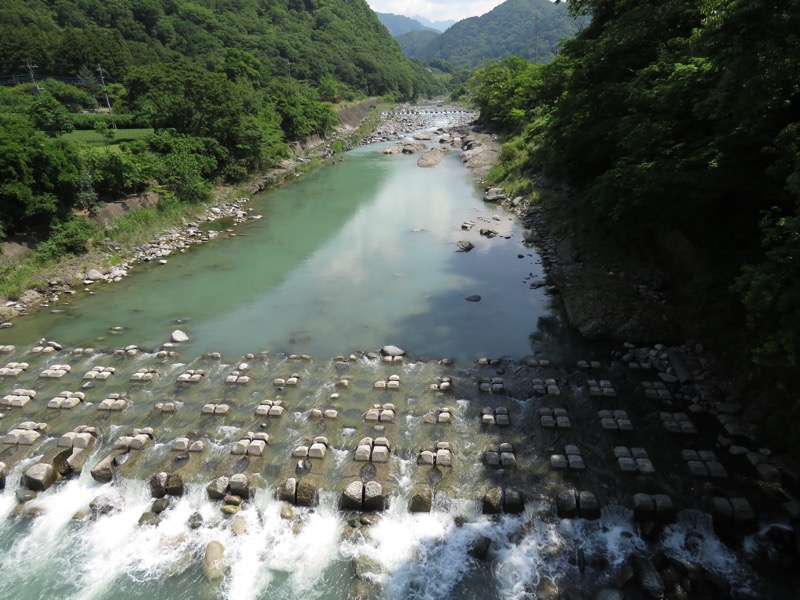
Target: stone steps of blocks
{"x":360,"y":496}
{"x":677,"y":423}
{"x":25,"y":434}
{"x":495,"y":416}
{"x":270,"y":408}
{"x":656,"y":390}
{"x":316,"y":448}
{"x":191,"y":376}
{"x":237,"y":377}
{"x":571,"y":504}
{"x":571,"y":459}
{"x":372,"y":450}
{"x":129,"y":351}
{"x":546,"y":387}
{"x":18,"y":398}
{"x":136,"y":440}
{"x":83,"y":351}
{"x":502,"y":456}
{"x":655,"y":507}
{"x":7,"y":348}
{"x":167,"y":407}
{"x":441,"y":456}
{"x":601,"y":388}
{"x":184,"y":444}
{"x":49,"y":348}
{"x":615,"y":420}
{"x":588,"y":364}
{"x":537,"y":362}
{"x":442,"y":416}
{"x":251,"y":444}
{"x":13,"y":369}
{"x":292,"y":381}
{"x":66,"y":400}
{"x":732,"y":512}
{"x":55,"y":371}
{"x":99,"y":373}
{"x":217,"y":410}
{"x":766,"y":470}
{"x":634,"y":460}
{"x":81,"y":438}
{"x":554,"y":418}
{"x":703,"y":463}
{"x":442,"y":384}
{"x":384,"y":413}
{"x":392,"y":383}
{"x":495,"y":385}
{"x":144,"y":375}
{"x":327,"y":413}
{"x":503,"y":500}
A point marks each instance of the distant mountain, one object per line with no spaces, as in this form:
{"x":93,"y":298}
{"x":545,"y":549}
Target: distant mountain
{"x":398,"y":24}
{"x":528,"y":28}
{"x":438,"y":25}
{"x":415,"y":43}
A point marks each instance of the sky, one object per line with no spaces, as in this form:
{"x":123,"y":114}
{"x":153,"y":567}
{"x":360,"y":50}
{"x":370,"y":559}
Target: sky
{"x":435,"y":10}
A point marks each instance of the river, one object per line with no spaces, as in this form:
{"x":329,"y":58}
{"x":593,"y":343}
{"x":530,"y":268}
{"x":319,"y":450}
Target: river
{"x":344,"y":261}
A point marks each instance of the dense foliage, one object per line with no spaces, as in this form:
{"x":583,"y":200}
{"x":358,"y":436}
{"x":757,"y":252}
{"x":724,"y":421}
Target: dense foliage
{"x":222,"y":84}
{"x":398,"y":24}
{"x":532,"y":29}
{"x":677,"y":124}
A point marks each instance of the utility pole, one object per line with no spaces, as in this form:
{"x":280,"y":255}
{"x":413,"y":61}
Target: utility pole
{"x":105,"y":92}
{"x":33,"y":79}
{"x":289,"y":67}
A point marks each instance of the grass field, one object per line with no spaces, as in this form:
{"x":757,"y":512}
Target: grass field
{"x":93,"y":138}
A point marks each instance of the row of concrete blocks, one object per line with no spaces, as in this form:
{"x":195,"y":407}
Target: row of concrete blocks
{"x":251,"y":444}
{"x":677,"y":423}
{"x":144,"y":375}
{"x":235,"y":485}
{"x":317,"y":448}
{"x":571,"y":459}
{"x":360,"y":496}
{"x":13,"y":369}
{"x":554,"y":418}
{"x":588,"y":364}
{"x":601,"y":388}
{"x":66,"y":400}
{"x":18,"y":398}
{"x":7,"y":348}
{"x":495,"y":416}
{"x":545,"y":387}
{"x":372,"y":450}
{"x":99,"y":373}
{"x":501,"y":456}
{"x":392,"y":383}
{"x":384,"y":413}
{"x":703,"y":463}
{"x":656,"y":390}
{"x":494,"y":385}
{"x":442,"y":416}
{"x":136,"y":440}
{"x":191,"y":376}
{"x":440,"y":456}
{"x":442,"y":384}
{"x":290,"y":381}
{"x":634,"y":460}
{"x":55,"y":372}
{"x":25,"y":434}
{"x":615,"y":420}
{"x":534,"y":362}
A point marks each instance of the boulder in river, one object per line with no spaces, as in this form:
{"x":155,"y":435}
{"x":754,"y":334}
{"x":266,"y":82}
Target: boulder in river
{"x":392,"y":351}
{"x":214,"y":560}
{"x":352,"y":496}
{"x":494,"y":195}
{"x":473,"y":298}
{"x":179,"y":336}
{"x":465,"y":246}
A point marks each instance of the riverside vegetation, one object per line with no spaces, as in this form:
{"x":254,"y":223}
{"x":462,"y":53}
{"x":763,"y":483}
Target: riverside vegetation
{"x":203,"y":93}
{"x":671,"y":129}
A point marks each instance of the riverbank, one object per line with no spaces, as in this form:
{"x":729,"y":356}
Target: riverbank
{"x":141,"y":231}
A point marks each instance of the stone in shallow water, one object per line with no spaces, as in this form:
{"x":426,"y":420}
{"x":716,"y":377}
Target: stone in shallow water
{"x":473,"y":298}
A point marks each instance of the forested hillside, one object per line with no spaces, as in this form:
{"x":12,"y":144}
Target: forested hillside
{"x":205,"y":91}
{"x":414,"y":44}
{"x":532,"y":29}
{"x":677,"y":123}
{"x":398,"y":24}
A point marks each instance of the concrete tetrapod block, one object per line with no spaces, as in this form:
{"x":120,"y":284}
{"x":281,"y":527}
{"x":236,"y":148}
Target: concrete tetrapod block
{"x":40,"y":477}
{"x":352,"y":497}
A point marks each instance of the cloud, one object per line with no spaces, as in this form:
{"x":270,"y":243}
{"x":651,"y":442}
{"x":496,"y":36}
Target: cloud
{"x":435,"y":10}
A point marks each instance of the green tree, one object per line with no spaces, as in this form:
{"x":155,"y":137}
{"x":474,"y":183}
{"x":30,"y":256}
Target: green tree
{"x":49,"y":115}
